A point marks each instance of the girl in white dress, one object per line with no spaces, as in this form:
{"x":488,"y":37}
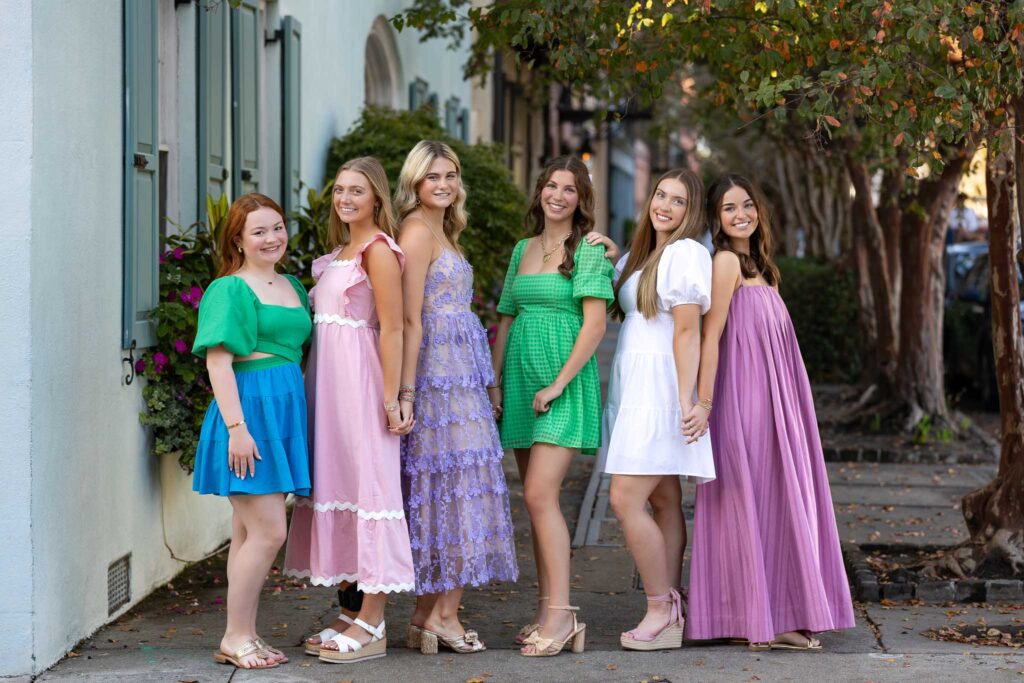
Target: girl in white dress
{"x":663,"y":286}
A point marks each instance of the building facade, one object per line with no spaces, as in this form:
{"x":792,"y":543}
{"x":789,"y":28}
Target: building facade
{"x":120,"y":117}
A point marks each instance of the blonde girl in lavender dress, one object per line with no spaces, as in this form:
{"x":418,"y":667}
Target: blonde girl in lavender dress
{"x":663,"y":287}
{"x":352,"y":528}
{"x":456,"y":498}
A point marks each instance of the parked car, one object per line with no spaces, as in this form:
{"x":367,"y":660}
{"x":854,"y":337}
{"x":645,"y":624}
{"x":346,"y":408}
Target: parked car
{"x":967,"y":330}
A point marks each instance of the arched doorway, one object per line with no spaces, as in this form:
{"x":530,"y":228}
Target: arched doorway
{"x":382,"y":71}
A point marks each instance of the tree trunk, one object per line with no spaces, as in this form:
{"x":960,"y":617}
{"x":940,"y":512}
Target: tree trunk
{"x":884,"y":314}
{"x":919,"y":377}
{"x":995,"y":513}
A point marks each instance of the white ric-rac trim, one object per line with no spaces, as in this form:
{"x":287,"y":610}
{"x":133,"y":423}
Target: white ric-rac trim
{"x":351,"y":507}
{"x":339,"y":262}
{"x":324,"y":318}
{"x":335,"y":580}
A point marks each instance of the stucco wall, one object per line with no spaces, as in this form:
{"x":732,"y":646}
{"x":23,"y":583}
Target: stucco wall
{"x":333,"y":47}
{"x":17,"y":351}
{"x":96,"y":490}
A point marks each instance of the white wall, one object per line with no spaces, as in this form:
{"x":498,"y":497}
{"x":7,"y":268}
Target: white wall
{"x":96,"y":489}
{"x":16,"y":352}
{"x":333,"y":46}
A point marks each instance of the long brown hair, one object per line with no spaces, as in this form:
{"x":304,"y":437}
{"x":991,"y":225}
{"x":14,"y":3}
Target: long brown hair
{"x":231,"y":259}
{"x":759,"y":261}
{"x":383,"y":215}
{"x":582,"y":217}
{"x":645,"y":256}
{"x":414,"y":170}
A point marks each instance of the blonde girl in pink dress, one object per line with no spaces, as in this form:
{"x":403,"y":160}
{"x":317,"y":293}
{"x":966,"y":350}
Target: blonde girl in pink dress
{"x":352,"y":529}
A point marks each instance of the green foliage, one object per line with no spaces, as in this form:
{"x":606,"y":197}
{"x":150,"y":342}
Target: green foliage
{"x":822,"y":301}
{"x":495,"y":205}
{"x":177,"y":391}
{"x":310,"y":239}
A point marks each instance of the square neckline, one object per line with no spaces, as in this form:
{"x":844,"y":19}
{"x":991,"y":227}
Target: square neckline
{"x":257,"y":297}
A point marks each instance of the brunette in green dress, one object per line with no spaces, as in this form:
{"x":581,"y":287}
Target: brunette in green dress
{"x":547,"y":396}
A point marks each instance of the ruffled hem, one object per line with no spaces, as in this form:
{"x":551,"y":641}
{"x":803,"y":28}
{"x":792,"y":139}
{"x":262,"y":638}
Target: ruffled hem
{"x":345,"y":506}
{"x":349,"y":578}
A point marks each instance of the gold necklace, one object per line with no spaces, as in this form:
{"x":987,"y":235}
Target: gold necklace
{"x":546,"y":255}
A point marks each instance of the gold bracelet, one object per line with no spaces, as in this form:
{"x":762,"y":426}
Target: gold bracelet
{"x":240,"y":422}
{"x":705,"y":403}
{"x":390,"y":407}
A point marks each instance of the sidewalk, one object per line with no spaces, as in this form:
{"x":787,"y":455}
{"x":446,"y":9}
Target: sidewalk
{"x":171,"y":635}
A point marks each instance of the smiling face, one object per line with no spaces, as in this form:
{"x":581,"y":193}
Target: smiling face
{"x":738,"y":215}
{"x":440,"y":186}
{"x":559,"y":197}
{"x":353,"y":197}
{"x":668,"y":206}
{"x":264,"y":237}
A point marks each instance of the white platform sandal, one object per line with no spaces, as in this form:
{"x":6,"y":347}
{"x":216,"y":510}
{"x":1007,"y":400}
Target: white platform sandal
{"x":351,"y":650}
{"x":313,"y":649}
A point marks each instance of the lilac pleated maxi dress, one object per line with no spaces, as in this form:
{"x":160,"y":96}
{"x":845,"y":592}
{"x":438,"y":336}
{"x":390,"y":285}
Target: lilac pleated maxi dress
{"x":766,"y":557}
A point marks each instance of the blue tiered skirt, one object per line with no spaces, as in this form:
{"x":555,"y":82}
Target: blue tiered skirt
{"x":274,"y":405}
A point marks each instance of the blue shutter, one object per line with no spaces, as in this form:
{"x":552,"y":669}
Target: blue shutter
{"x":418,"y":90}
{"x":464,"y":125}
{"x":141,"y":174}
{"x":291,"y":108}
{"x":213,"y":87}
{"x":451,"y":116}
{"x":245,"y":101}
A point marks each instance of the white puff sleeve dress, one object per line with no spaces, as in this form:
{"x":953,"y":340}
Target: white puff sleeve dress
{"x":642,"y":418}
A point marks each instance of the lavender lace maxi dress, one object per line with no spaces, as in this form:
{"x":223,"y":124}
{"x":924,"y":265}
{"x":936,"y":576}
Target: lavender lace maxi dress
{"x":453,"y":485}
{"x":766,"y":556}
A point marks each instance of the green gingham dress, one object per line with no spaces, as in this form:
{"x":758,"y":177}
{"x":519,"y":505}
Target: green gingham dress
{"x":548,"y":311}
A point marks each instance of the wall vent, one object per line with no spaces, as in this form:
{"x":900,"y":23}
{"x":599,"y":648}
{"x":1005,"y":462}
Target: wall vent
{"x":119,"y":583}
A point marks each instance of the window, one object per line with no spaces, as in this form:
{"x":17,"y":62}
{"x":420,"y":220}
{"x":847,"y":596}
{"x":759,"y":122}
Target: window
{"x":419,"y":91}
{"x":381,"y":73}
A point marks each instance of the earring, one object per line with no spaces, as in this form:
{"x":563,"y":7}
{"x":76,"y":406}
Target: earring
{"x":239,"y":250}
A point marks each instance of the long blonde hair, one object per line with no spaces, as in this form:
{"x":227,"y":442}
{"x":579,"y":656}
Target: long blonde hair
{"x":383,"y":215}
{"x":645,"y":256}
{"x":414,"y":170}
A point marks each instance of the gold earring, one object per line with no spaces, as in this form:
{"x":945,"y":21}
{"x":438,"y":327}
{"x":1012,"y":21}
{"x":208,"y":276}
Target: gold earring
{"x":239,"y":250}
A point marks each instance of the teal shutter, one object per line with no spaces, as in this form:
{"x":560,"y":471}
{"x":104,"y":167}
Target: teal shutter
{"x":245,"y":101}
{"x":291,"y":108}
{"x":141,"y":174}
{"x":418,"y":90}
{"x":451,"y":116}
{"x":213,"y":88}
{"x":464,"y":125}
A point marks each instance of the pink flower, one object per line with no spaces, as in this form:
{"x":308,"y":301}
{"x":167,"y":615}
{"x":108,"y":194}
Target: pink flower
{"x":196,"y":295}
{"x":140,"y":366}
{"x":186,"y":297}
{"x":163,"y":257}
{"x":159,"y":361}
{"x":179,"y":253}
{"x":180,"y":346}
{"x":492,"y":334}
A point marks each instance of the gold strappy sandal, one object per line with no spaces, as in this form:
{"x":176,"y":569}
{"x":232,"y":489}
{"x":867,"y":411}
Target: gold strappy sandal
{"x":549,"y":647}
{"x":250,"y":647}
{"x":528,"y":630}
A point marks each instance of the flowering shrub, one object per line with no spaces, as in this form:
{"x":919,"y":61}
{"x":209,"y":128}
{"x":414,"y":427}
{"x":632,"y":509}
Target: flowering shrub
{"x":177,"y":390}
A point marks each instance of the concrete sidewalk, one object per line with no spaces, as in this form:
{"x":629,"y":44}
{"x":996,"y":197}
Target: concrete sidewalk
{"x":171,"y":635}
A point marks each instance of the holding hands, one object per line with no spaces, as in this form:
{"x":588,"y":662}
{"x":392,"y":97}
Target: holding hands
{"x":695,"y":419}
{"x":496,"y":398}
{"x":400,"y":417}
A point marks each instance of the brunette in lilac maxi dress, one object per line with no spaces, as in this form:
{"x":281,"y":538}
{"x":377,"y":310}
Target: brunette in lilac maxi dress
{"x":766,"y":557}
{"x":456,"y":498}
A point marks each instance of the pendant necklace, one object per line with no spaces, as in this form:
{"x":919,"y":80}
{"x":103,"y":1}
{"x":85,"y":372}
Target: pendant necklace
{"x":545,"y":254}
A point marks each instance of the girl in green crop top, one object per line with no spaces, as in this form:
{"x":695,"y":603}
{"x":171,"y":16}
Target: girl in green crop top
{"x":253,"y":322}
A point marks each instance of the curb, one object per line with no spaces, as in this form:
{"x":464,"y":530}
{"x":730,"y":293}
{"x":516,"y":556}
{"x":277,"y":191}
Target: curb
{"x":912,"y":457}
{"x":867,"y":586}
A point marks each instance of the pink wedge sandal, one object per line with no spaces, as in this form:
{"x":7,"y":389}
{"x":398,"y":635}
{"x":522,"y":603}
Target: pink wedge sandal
{"x":670,"y":637}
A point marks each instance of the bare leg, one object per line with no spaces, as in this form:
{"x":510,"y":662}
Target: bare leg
{"x":667,"y":503}
{"x":644,"y":539}
{"x":444,"y":618}
{"x":548,"y":465}
{"x":336,"y":625}
{"x":262,"y":521}
{"x":540,"y":615}
{"x":424,"y":606}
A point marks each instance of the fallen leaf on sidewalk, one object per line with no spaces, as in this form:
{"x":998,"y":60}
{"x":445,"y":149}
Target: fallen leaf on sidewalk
{"x":612,"y":667}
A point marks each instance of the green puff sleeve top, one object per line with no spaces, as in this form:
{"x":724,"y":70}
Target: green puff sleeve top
{"x":232,"y":316}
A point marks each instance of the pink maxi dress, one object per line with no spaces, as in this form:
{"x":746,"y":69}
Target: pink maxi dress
{"x":352,"y":528}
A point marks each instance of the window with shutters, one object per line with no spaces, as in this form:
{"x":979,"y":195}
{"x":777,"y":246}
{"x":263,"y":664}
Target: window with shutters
{"x":451,"y":116}
{"x":419,"y":91}
{"x":291,"y":113}
{"x":141,"y":174}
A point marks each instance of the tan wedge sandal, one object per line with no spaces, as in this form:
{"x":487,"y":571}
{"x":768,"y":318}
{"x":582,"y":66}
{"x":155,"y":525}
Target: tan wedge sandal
{"x":669,"y":637}
{"x":549,"y":647}
{"x":351,"y":650}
